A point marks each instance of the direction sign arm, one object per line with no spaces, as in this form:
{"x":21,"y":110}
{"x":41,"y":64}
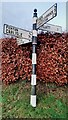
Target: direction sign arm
{"x":47,"y":16}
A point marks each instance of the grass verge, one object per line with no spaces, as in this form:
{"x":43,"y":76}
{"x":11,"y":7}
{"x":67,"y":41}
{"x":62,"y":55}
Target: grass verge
{"x":51,"y":101}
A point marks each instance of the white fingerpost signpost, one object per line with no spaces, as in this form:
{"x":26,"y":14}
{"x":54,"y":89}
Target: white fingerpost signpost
{"x":25,"y":36}
{"x":37,"y":23}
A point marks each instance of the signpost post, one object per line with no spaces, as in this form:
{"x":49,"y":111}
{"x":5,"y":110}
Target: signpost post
{"x":37,"y":23}
{"x":33,"y":77}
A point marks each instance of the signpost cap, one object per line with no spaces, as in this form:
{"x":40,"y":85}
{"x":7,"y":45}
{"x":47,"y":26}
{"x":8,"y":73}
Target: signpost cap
{"x":35,"y":10}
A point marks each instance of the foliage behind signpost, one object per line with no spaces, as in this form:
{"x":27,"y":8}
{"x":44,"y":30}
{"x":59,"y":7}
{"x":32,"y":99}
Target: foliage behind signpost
{"x":51,"y":59}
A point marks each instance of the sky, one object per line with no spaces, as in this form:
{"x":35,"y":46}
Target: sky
{"x":19,"y":14}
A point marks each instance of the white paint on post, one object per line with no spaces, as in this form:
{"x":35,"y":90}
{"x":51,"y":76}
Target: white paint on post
{"x":34,"y":20}
{"x":35,"y":33}
{"x":33,"y":100}
{"x":33,"y":80}
{"x":33,"y":58}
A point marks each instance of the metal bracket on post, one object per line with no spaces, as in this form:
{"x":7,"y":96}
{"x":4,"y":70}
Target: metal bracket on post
{"x":33,"y":77}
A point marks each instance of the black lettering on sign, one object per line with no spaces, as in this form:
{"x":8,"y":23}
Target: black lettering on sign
{"x":29,"y":35}
{"x":21,"y":34}
{"x":46,"y":19}
{"x":7,"y":29}
{"x":12,"y":30}
{"x":16,"y":32}
{"x":47,"y":27}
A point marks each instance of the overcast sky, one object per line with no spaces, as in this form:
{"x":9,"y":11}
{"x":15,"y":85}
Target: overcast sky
{"x":20,"y":14}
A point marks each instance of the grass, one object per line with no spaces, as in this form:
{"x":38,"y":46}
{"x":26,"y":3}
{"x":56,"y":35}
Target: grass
{"x":51,"y":101}
{"x":0,"y":102}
